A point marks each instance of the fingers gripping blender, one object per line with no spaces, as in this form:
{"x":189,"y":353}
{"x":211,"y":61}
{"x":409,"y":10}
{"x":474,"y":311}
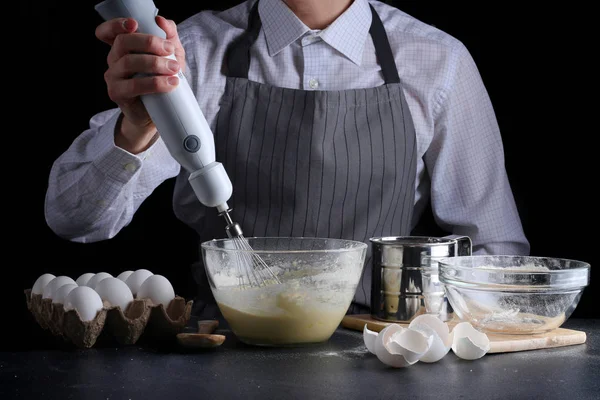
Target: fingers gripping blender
{"x":180,"y":120}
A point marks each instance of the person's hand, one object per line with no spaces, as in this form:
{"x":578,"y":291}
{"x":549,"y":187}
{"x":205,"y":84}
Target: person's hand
{"x":136,"y":53}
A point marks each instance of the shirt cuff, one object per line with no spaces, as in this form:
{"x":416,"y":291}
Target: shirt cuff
{"x":115,"y":162}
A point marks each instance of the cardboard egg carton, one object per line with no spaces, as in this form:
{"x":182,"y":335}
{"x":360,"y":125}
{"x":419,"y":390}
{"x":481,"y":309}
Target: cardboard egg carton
{"x":141,"y":317}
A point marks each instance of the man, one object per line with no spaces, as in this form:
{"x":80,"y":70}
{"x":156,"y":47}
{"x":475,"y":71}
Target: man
{"x":333,"y":118}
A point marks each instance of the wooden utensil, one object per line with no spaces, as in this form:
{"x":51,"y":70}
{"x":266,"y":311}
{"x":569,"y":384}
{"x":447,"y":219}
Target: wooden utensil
{"x":200,"y":340}
{"x":208,"y":326}
{"x":204,"y":339}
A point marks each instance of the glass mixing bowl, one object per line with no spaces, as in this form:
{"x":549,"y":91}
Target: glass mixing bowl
{"x":513,"y":294}
{"x":283,"y":291}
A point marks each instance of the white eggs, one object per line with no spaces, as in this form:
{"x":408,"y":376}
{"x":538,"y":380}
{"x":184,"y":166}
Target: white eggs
{"x":55,"y":284}
{"x":124,"y":275}
{"x":115,"y":291}
{"x":468,"y":343}
{"x":92,"y":291}
{"x":62,"y":292}
{"x":85,"y":301}
{"x":84,"y":279}
{"x":135,"y":280}
{"x":158,"y":289}
{"x":94,"y":280}
{"x":41,"y":282}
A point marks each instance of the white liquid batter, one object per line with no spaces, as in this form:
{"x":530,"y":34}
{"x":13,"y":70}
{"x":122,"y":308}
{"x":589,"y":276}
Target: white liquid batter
{"x":308,"y":305}
{"x":284,"y":314}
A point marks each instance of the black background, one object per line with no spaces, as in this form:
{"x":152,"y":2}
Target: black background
{"x":535,"y":64}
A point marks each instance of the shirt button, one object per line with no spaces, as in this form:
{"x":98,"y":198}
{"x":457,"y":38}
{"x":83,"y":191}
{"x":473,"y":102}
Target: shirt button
{"x":313,"y":83}
{"x":129,"y":167}
{"x":309,"y":39}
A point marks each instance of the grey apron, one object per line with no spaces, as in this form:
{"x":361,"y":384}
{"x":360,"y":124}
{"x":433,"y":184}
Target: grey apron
{"x":336,"y":164}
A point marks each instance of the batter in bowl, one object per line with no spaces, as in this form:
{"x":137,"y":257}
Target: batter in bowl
{"x":284,"y":314}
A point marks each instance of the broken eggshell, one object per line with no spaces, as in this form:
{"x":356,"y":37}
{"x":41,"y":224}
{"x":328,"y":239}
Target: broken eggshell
{"x":468,"y":343}
{"x":400,"y":347}
{"x":369,"y":337}
{"x":433,"y":327}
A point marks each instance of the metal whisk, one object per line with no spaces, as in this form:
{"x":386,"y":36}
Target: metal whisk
{"x":253,"y":271}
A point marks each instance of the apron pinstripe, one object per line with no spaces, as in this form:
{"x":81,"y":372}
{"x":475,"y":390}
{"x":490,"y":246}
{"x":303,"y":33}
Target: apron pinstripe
{"x":338,"y":164}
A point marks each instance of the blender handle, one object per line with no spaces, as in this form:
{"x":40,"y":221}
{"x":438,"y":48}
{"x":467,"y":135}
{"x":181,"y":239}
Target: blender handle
{"x":177,"y":115}
{"x":464,"y":245}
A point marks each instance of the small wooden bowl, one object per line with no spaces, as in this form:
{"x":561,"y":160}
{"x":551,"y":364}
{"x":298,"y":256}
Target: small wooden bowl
{"x":200,"y":340}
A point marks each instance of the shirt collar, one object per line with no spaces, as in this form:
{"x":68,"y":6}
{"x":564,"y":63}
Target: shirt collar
{"x":347,"y":34}
{"x":281,"y":26}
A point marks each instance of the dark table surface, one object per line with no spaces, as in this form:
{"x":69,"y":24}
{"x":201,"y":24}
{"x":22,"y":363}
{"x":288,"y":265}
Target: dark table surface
{"x":338,"y":369}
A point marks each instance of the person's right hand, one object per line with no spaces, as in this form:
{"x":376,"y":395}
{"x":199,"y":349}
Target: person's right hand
{"x":132,"y":53}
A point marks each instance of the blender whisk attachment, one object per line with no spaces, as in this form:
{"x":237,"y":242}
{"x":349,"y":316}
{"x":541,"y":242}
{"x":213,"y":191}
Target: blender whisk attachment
{"x":252,"y":270}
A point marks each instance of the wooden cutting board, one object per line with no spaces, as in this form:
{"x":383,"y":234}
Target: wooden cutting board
{"x":498,"y":343}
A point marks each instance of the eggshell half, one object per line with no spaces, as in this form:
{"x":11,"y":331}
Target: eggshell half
{"x":414,"y":344}
{"x":430,"y":325}
{"x":369,"y":337}
{"x":468,"y":343}
{"x":399,"y":347}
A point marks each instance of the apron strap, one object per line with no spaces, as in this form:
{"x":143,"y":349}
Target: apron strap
{"x":238,"y":54}
{"x":383,"y":49}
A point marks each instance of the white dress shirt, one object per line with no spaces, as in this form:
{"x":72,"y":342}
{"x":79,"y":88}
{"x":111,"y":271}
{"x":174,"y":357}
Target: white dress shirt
{"x":95,"y":187}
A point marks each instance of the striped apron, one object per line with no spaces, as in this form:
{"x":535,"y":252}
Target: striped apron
{"x":335,"y":164}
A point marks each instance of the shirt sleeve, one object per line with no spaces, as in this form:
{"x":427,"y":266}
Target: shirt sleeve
{"x":470,"y":190}
{"x":95,"y":187}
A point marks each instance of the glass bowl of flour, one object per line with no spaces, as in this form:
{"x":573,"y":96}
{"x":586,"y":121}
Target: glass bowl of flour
{"x":508,"y":294}
{"x":283,"y":291}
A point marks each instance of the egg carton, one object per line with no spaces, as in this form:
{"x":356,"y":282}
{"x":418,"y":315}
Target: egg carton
{"x":141,"y":317}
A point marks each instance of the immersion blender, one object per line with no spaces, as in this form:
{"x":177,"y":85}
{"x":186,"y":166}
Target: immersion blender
{"x":179,"y":120}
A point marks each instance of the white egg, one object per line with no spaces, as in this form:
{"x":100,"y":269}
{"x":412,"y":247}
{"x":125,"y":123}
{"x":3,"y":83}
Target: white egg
{"x":94,"y":280}
{"x":158,"y":289}
{"x":116,"y":292}
{"x":369,"y":337}
{"x":40,"y":283}
{"x":468,"y":343}
{"x":55,"y":284}
{"x":85,"y":301}
{"x":136,"y":279}
{"x":399,"y":347}
{"x":124,"y":275}
{"x":430,"y":325}
{"x":84,"y":279}
{"x":62,"y":292}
